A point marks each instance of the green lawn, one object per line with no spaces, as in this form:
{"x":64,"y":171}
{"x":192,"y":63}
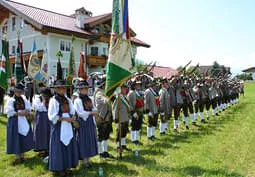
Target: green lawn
{"x":223,"y":147}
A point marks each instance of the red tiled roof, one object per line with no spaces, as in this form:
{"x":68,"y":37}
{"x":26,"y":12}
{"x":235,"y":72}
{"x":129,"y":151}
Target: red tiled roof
{"x":139,"y":42}
{"x":46,"y":18}
{"x":160,"y":71}
{"x":252,"y":69}
{"x":96,"y":18}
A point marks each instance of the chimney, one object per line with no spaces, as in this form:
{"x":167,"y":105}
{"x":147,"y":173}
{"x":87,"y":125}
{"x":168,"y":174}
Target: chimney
{"x":81,"y":15}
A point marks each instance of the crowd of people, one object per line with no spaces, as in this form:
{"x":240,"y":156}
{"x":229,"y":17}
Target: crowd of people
{"x":77,"y":127}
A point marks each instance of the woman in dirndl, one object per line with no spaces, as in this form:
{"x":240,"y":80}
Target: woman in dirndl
{"x":19,"y":132}
{"x":63,"y":152}
{"x":41,"y":122}
{"x":87,"y":133}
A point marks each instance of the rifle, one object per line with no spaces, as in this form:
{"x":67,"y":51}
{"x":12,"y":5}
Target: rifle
{"x":193,"y":70}
{"x":184,"y":68}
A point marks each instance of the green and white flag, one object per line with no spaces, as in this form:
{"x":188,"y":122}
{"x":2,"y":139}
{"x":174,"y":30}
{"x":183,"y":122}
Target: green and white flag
{"x":120,"y":63}
{"x":5,"y":72}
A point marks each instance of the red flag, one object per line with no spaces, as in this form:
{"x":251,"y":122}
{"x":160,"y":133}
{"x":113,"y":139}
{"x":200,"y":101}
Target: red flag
{"x":81,"y":71}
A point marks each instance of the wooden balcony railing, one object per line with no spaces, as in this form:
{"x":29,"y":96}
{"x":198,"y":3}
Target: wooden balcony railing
{"x":94,"y":61}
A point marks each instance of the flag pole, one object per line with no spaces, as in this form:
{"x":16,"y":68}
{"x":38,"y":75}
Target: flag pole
{"x":120,"y":128}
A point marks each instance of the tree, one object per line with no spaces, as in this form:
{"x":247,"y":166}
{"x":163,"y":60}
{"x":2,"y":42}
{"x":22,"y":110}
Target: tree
{"x":244,"y":76}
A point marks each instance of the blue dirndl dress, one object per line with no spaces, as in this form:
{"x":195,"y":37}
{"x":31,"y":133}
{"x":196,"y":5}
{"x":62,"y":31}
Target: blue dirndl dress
{"x":41,"y":131}
{"x":17,"y":143}
{"x":87,"y":138}
{"x":61,"y":157}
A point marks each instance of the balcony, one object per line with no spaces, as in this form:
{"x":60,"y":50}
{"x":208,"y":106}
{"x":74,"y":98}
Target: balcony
{"x":94,"y":61}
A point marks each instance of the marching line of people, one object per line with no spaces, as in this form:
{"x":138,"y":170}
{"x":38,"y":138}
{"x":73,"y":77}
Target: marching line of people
{"x":68,"y":130}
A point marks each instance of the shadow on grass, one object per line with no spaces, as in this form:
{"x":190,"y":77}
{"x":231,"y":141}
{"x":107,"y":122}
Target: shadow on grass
{"x":35,"y":161}
{"x":3,"y":120}
{"x":198,"y":171}
{"x":109,"y":169}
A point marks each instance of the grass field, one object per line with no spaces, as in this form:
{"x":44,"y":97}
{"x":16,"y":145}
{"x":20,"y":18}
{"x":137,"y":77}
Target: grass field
{"x":225,"y":146}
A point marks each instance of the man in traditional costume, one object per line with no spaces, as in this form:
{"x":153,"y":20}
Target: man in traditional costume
{"x":151,"y":106}
{"x":104,"y":121}
{"x":121,"y":114}
{"x":136,"y":101}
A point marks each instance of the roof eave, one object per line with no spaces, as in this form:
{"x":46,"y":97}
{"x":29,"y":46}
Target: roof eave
{"x":18,"y":13}
{"x":78,"y":34}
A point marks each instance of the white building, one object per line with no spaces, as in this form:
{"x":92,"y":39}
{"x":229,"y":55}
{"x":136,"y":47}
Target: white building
{"x":53,"y":32}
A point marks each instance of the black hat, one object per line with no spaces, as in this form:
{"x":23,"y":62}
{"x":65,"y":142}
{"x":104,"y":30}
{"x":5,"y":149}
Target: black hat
{"x":82,"y":84}
{"x":154,"y":82}
{"x":19,"y":87}
{"x":101,"y":82}
{"x":45,"y":92}
{"x":60,"y":83}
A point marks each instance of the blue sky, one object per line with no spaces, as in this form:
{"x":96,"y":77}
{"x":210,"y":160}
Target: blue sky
{"x":203,"y":31}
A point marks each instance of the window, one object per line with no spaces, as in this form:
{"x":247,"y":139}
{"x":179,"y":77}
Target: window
{"x":94,"y":51}
{"x":13,"y":23}
{"x":13,"y":49}
{"x":5,"y":28}
{"x":22,"y":24}
{"x":65,"y":45}
{"x":105,"y":51}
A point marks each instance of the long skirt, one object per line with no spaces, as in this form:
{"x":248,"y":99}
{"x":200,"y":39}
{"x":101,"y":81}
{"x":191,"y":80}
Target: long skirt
{"x":41,"y":131}
{"x":87,"y":138}
{"x":17,"y":143}
{"x":61,"y":157}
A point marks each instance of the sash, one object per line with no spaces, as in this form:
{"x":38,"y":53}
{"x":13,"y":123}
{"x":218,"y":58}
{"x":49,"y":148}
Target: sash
{"x":125,"y":102}
{"x":66,"y":130}
{"x":156,"y":96}
{"x":139,"y":100}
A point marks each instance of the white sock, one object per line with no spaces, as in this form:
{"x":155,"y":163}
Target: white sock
{"x":207,"y":113}
{"x":192,"y":117}
{"x":152,"y":131}
{"x":213,"y":112}
{"x":133,"y":135}
{"x":148,"y":132}
{"x":165,"y":126}
{"x":105,"y":143}
{"x":201,"y":115}
{"x":186,"y":121}
{"x":137,"y":135}
{"x":161,"y":127}
{"x":123,"y":141}
{"x":100,"y":147}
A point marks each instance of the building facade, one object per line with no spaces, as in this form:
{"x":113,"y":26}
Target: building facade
{"x":53,"y":32}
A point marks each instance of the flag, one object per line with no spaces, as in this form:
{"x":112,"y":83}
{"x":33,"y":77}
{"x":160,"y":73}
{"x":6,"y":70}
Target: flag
{"x":44,"y":67}
{"x":18,"y":71}
{"x":119,"y":63}
{"x":71,"y":67}
{"x":59,"y":70}
{"x":5,"y":72}
{"x":23,"y":64}
{"x":81,"y":71}
{"x":34,"y":64}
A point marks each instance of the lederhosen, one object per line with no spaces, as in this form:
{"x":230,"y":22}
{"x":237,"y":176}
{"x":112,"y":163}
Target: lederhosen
{"x":124,"y":125}
{"x":153,"y":120}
